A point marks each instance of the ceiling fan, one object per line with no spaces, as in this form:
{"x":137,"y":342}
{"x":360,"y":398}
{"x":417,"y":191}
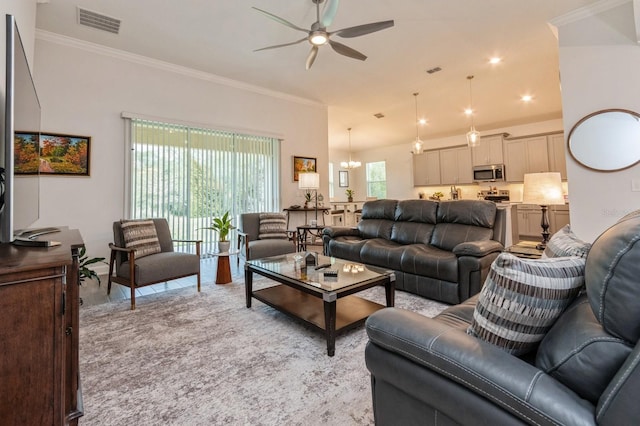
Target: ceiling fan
{"x":318,"y":34}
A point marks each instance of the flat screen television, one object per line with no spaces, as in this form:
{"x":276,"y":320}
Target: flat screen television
{"x":19,"y":156}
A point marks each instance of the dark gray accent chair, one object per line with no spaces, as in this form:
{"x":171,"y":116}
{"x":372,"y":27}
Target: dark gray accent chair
{"x":439,"y":250}
{"x":251,"y":247}
{"x":152,"y":269}
{"x":586,"y":370}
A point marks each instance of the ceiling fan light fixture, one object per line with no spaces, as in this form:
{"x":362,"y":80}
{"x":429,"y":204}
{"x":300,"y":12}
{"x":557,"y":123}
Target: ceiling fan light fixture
{"x":318,"y":38}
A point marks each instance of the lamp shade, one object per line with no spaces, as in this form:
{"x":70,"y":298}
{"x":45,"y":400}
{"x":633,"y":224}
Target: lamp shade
{"x":543,"y":189}
{"x":309,"y":180}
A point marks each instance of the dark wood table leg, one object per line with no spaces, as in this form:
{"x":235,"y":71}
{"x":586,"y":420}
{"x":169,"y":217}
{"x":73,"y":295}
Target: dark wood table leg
{"x":248,"y":283}
{"x":223,"y":274}
{"x":330,"y":326}
{"x":390,"y":293}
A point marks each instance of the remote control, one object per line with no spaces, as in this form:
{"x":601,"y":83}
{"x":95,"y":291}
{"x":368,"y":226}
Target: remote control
{"x":324,"y":265}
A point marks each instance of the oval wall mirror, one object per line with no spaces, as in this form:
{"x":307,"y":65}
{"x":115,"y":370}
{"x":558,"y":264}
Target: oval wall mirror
{"x":606,"y":140}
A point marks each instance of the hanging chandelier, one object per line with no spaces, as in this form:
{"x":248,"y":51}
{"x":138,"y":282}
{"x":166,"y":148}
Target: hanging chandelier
{"x":417,"y":144}
{"x":350,"y":164}
{"x":473,"y":136}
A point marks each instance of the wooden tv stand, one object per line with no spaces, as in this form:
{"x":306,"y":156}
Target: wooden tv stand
{"x":39,"y":329}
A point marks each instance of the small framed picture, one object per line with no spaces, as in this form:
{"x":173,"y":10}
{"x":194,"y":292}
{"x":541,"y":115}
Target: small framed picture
{"x":303,"y":165}
{"x":52,"y":154}
{"x":343,"y":178}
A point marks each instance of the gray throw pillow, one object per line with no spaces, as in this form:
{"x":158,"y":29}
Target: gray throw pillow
{"x":522,"y":298}
{"x":141,"y":236}
{"x":565,"y":243}
{"x":272,"y":226}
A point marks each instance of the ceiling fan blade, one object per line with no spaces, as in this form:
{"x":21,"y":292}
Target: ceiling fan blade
{"x":346,"y":51}
{"x":282,"y":45}
{"x":329,"y":13}
{"x":312,"y":56}
{"x":282,"y":21}
{"x":360,"y":30}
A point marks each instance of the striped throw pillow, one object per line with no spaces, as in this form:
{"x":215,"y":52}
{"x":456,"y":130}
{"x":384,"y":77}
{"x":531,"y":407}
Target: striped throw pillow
{"x":565,"y":243}
{"x":272,"y":226}
{"x":522,"y":298}
{"x":140,"y":235}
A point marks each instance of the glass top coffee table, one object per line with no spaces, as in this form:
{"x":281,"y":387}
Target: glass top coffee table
{"x":326,"y":303}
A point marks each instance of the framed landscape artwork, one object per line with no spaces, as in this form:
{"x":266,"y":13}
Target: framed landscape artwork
{"x":303,"y":165}
{"x":59,"y":154}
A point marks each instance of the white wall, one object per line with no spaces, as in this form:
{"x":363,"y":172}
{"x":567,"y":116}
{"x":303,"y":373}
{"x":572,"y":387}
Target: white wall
{"x":599,"y":63}
{"x":85,"y":88}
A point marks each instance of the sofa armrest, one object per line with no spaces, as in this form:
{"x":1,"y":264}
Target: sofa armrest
{"x":340,"y":231}
{"x":505,"y":380}
{"x":478,"y":248}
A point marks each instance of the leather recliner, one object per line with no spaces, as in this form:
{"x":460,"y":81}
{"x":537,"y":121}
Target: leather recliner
{"x":586,"y":370}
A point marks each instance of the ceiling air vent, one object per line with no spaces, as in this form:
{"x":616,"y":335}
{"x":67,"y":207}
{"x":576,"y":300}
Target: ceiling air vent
{"x":434,"y":70}
{"x":98,"y":21}
{"x":378,"y":115}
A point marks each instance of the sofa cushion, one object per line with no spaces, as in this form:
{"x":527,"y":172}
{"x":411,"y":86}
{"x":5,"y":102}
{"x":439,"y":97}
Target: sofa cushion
{"x":580,"y":354}
{"x":430,"y":261}
{"x":273,"y":226}
{"x":522,"y":298}
{"x":381,"y":252}
{"x":448,"y":235}
{"x":141,"y":236}
{"x":422,"y":211}
{"x":346,"y":247}
{"x":376,"y":228}
{"x":379,"y":209}
{"x":411,"y":232}
{"x":468,"y":212}
{"x":565,"y":243}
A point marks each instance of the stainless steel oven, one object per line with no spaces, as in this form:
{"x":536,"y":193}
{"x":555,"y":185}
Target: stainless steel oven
{"x":489,"y":173}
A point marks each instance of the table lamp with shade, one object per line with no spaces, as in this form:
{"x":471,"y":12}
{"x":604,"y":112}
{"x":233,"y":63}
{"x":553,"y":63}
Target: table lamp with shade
{"x":544,"y":189}
{"x":308,"y":181}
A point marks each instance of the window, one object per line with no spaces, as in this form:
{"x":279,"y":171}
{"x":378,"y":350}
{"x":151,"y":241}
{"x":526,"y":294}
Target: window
{"x":377,"y":180}
{"x":191,"y":175}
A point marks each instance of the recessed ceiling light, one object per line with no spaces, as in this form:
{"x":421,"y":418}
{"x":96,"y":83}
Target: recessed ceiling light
{"x":422,"y":121}
{"x":468,"y":111}
{"x":495,"y":60}
{"x":526,"y":98}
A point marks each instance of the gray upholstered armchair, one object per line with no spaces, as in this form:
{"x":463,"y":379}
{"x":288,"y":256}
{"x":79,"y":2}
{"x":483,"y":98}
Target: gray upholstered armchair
{"x":142,"y":254}
{"x":255,"y":244}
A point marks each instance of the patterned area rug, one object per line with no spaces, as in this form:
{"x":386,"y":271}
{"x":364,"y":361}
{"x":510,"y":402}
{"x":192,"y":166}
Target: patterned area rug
{"x":188,"y":358}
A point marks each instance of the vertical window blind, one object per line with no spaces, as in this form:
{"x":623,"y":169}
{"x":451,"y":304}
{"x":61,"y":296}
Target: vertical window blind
{"x":191,"y":175}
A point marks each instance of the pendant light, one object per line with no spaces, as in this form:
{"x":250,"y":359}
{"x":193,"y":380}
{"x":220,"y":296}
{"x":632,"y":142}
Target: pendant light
{"x":417,"y":145}
{"x":473,"y":136}
{"x":350,"y":164}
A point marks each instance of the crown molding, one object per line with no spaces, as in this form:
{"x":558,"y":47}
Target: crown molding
{"x":166,"y":66}
{"x":587,"y":12}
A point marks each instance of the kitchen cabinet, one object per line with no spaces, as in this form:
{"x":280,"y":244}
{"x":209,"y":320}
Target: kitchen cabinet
{"x":557,"y":154}
{"x":39,"y":331}
{"x":525,"y":155}
{"x":455,"y":166}
{"x":529,"y":217}
{"x":488,"y":151}
{"x":426,"y":168}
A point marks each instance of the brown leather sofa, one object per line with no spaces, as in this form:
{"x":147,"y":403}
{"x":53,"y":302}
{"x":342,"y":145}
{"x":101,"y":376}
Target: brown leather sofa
{"x":439,"y":250}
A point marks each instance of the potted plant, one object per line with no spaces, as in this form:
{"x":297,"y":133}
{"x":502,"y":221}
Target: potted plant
{"x":84,"y":262}
{"x":222,"y":225}
{"x":308,"y":197}
{"x":349,"y":193}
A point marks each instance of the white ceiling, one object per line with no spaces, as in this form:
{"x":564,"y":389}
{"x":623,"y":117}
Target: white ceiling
{"x":457,"y":35}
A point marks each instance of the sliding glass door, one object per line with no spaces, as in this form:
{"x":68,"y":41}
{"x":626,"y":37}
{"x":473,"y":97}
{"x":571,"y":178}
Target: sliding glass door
{"x":190,"y":175}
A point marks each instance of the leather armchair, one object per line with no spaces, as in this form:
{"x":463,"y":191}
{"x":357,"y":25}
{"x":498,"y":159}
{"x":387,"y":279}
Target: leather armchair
{"x":586,"y":371}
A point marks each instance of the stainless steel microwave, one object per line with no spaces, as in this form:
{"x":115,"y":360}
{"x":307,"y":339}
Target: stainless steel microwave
{"x":489,"y":173}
